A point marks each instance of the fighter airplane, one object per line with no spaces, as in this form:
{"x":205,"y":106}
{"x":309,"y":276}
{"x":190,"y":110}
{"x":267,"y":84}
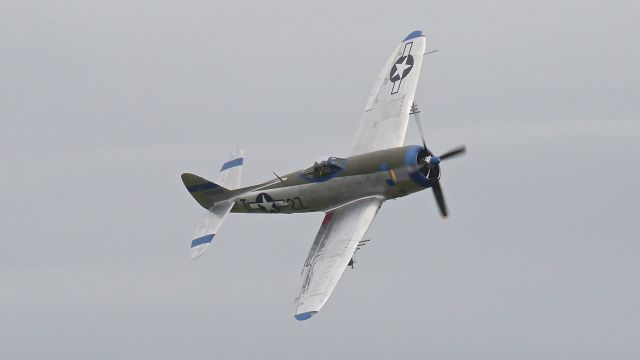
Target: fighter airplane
{"x":348,"y":190}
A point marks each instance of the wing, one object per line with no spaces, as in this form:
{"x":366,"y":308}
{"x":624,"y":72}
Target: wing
{"x":386,"y":114}
{"x":341,"y":231}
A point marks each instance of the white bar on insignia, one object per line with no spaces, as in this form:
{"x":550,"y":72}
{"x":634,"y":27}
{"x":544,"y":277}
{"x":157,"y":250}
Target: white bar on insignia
{"x":406,"y":52}
{"x":396,"y":87}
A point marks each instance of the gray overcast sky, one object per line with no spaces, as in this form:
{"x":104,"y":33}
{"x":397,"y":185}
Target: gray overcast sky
{"x":104,"y":103}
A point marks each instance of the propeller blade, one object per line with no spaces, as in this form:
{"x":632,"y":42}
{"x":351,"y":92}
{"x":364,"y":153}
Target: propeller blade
{"x":442,"y":206}
{"x":415,"y":112}
{"x":455,"y":152}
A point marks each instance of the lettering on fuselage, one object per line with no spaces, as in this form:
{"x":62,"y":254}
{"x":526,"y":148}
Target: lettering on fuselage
{"x":265,"y":203}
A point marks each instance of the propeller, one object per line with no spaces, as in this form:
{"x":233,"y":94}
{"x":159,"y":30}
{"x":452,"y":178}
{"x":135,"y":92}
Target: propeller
{"x":437,"y":192}
{"x":454,"y":152}
{"x":415,"y":111}
{"x":432,"y":162}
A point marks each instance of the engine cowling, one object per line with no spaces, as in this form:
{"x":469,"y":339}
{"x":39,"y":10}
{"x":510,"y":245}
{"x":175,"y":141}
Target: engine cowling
{"x":422,"y":170}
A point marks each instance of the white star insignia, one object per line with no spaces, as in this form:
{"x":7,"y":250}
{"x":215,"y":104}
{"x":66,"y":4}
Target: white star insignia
{"x":266,"y":205}
{"x":401,"y":67}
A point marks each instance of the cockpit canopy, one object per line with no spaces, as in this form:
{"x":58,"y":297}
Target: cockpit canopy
{"x":325,"y":168}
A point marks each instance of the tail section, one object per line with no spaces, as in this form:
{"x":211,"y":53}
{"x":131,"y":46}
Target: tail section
{"x":208,"y":193}
{"x":204,"y":191}
{"x":213,"y":197}
{"x":208,"y":227}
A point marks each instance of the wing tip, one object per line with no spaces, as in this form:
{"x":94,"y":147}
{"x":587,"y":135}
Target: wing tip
{"x":413,"y":35}
{"x":305,"y":315}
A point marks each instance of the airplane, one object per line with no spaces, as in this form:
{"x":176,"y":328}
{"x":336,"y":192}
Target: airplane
{"x":348,"y":190}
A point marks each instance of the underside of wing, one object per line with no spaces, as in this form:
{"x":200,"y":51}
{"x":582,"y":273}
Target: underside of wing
{"x":208,"y":227}
{"x":386,"y":114}
{"x":341,"y":231}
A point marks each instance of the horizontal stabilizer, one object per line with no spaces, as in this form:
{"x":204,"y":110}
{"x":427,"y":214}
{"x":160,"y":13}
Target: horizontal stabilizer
{"x":231,"y":171}
{"x":216,"y":197}
{"x":208,"y":227}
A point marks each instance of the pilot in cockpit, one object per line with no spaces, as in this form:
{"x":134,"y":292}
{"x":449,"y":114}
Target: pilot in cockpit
{"x":317,"y":170}
{"x":325,"y":168}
